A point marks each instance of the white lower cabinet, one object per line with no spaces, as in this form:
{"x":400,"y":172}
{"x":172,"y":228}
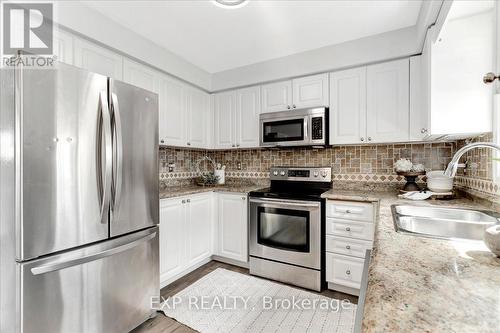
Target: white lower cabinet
{"x":172,"y":238}
{"x":344,"y":270}
{"x":347,"y":239}
{"x":232,"y":226}
{"x":196,"y":227}
{"x":186,"y":226}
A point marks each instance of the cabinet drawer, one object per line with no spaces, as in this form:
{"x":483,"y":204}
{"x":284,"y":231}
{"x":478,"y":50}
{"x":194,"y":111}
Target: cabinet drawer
{"x":348,"y":246}
{"x":359,"y":211}
{"x":352,"y":229}
{"x":344,"y":270}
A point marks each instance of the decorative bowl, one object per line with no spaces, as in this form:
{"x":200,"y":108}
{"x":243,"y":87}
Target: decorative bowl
{"x":438,"y":182}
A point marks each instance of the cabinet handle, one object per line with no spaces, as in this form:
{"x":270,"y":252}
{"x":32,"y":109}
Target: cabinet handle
{"x":294,"y":106}
{"x":348,"y":272}
{"x":347,"y":229}
{"x":423,"y":130}
{"x":189,"y":143}
{"x":288,"y":107}
{"x":183,"y":201}
{"x":233,"y":145}
{"x":348,"y":211}
{"x":243,"y":198}
{"x":237,"y":145}
{"x":362,"y":139}
{"x":348,"y":247}
{"x":369,"y":138}
{"x":162,"y":141}
{"x":188,"y":200}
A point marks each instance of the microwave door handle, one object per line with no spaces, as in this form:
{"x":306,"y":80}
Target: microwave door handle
{"x":306,"y":129}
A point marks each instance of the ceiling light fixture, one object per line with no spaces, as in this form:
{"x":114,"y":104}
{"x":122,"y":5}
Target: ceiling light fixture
{"x":230,"y":4}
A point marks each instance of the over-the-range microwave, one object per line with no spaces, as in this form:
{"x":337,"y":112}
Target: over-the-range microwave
{"x":303,"y":127}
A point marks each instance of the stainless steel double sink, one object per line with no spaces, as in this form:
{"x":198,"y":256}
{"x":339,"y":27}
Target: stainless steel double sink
{"x":442,"y":222}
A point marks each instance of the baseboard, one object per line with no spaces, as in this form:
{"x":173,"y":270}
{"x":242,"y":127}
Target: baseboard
{"x":231,"y":261}
{"x":343,"y":289}
{"x":166,"y":281}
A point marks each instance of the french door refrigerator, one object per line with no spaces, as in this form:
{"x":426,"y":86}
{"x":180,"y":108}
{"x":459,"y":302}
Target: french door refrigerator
{"x":78,"y":202}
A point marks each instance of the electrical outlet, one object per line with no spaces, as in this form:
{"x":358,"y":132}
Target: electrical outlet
{"x":171,"y":167}
{"x":238,"y":165}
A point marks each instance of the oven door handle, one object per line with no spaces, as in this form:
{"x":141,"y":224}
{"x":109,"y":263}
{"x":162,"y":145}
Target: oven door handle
{"x":285,"y":203}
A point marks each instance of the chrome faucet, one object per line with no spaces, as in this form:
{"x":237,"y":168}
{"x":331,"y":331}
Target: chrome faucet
{"x":451,"y":170}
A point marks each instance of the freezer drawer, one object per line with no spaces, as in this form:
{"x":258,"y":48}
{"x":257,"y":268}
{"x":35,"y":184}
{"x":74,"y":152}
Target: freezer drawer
{"x":100,"y":288}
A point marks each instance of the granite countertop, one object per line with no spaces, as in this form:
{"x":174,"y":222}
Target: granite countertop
{"x":179,"y":191}
{"x":420,"y":284}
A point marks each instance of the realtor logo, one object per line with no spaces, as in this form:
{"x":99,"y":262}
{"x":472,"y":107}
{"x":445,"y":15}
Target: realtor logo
{"x":27,"y":27}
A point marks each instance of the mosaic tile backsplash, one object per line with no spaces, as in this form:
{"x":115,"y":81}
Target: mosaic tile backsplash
{"x":369,"y":163}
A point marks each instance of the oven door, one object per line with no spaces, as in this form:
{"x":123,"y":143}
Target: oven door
{"x":285,"y":131}
{"x":287,"y":231}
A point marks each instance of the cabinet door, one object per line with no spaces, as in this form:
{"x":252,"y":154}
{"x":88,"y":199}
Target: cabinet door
{"x":172,"y":237}
{"x":198,"y":111}
{"x":140,"y":75}
{"x":63,"y":47}
{"x":348,"y":106}
{"x":97,"y":59}
{"x":419,"y":112}
{"x":388,"y":101}
{"x":247,"y":117}
{"x":199,"y":228}
{"x":172,"y":120}
{"x":310,"y":91}
{"x":232,"y":226}
{"x":277,"y":96}
{"x":224,"y":117}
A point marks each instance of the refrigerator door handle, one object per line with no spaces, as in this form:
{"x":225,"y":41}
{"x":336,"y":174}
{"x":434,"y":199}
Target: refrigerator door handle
{"x":61,"y":264}
{"x":117,"y":152}
{"x":104,"y":176}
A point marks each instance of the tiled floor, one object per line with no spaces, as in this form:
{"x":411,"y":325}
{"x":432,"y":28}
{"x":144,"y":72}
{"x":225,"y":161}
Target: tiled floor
{"x":165,"y":324}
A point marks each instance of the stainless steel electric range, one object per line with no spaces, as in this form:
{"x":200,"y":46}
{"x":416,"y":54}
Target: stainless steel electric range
{"x":286,"y":226}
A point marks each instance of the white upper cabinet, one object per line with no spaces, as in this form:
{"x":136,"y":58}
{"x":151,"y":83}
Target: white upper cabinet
{"x":419,"y":112}
{"x":310,"y":91}
{"x":388,"y":101}
{"x":247,"y":117}
{"x":172,"y":119}
{"x":63,"y":46}
{"x":232,"y":226}
{"x":140,"y":75}
{"x":277,"y":96}
{"x":97,"y":59}
{"x":348,"y":106}
{"x":198,"y":117}
{"x":448,"y":96}
{"x":224,"y":118}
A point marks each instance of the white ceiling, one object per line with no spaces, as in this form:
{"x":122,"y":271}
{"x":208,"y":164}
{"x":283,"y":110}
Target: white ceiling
{"x":217,"y":39}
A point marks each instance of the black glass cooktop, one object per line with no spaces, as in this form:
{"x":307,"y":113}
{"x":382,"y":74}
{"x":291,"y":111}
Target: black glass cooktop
{"x":311,"y":192}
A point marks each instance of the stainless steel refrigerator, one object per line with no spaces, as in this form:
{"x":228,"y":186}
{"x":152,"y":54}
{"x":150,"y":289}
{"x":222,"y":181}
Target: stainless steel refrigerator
{"x":78,"y":202}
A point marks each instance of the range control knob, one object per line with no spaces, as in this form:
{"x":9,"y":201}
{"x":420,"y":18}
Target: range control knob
{"x":315,"y":174}
{"x":323,"y":174}
{"x":282,"y":173}
{"x":275,"y":172}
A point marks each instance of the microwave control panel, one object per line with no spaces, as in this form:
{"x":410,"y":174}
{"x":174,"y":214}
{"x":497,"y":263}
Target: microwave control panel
{"x":317,"y":128}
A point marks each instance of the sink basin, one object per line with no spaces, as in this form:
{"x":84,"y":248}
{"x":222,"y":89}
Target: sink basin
{"x":445,"y":223}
